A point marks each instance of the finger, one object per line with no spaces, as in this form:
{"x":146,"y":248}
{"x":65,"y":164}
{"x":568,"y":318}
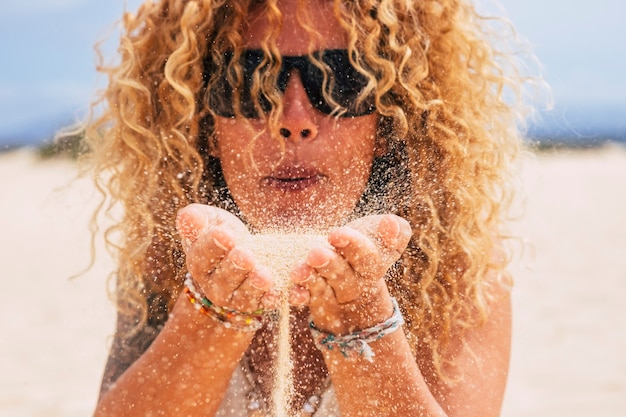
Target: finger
{"x":207,"y":234}
{"x":380,"y":240}
{"x":194,"y":219}
{"x":229,"y":275}
{"x":307,"y":283}
{"x":360,"y":251}
{"x":337,"y":273}
{"x":394,"y":232}
{"x":271,"y":300}
{"x":207,"y":251}
{"x":248,"y":296}
{"x":300,"y":274}
{"x":299,"y":296}
{"x":324,"y":308}
{"x":320,"y":293}
{"x":191,"y":221}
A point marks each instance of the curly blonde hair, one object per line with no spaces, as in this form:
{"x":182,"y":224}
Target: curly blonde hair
{"x":440,"y":86}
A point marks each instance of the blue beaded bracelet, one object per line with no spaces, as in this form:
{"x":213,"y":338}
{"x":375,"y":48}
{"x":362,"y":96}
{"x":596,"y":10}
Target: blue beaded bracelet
{"x":356,"y":344}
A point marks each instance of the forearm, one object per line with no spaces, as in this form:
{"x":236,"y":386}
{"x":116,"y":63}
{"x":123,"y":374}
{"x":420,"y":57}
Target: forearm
{"x":185,"y":371}
{"x":393,"y":385}
{"x":390,"y":385}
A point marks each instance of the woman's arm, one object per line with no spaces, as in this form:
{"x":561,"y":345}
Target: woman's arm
{"x":390,"y":385}
{"x":188,"y":367}
{"x":185,"y":371}
{"x":393,"y":385}
{"x":345,"y":292}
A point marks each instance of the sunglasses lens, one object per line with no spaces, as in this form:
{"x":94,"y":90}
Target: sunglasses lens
{"x":222,"y":96}
{"x":347,"y":84}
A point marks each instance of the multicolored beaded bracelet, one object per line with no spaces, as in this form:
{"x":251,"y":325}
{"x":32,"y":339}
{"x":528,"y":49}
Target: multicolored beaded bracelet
{"x":239,"y":320}
{"x":356,"y":344}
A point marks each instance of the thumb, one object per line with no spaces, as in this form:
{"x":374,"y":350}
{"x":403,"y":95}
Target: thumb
{"x":191,"y":221}
{"x":195,"y":219}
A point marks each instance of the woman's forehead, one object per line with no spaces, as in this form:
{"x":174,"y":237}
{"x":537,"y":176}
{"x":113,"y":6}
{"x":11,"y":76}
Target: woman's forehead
{"x":293,"y":38}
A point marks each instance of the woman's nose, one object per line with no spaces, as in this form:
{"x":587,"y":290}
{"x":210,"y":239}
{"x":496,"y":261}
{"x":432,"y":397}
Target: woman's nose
{"x":298,"y":119}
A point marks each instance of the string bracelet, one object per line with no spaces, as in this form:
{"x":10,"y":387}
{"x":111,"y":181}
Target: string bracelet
{"x":356,"y":344}
{"x":238,"y":320}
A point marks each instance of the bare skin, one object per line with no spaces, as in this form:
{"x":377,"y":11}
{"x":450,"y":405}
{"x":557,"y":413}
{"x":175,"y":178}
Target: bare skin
{"x":186,"y":370}
{"x":183,"y":355}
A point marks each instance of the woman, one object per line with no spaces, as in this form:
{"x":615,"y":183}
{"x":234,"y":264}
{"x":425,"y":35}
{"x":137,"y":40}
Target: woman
{"x":380,"y":124}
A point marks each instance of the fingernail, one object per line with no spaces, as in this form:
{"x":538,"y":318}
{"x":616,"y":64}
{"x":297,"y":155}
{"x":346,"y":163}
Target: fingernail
{"x":257,"y":281}
{"x":300,"y":279}
{"x":237,"y":266}
{"x":271,"y":299}
{"x":336,"y":239}
{"x":340,"y":243}
{"x":298,"y":297}
{"x":238,"y":261}
{"x":319,"y":258}
{"x":220,"y":244}
{"x":323,"y":265}
{"x":300,"y":273}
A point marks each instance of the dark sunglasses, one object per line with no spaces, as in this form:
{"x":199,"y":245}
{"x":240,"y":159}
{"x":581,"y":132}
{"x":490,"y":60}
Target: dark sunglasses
{"x":347,"y":83}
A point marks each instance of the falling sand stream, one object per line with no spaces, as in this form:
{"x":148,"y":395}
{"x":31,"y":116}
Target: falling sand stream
{"x":280,"y":252}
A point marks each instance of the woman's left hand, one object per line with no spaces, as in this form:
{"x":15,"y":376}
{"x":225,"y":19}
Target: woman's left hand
{"x":344,"y":286}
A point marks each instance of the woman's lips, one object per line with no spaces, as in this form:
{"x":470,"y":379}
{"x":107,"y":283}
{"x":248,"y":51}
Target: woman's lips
{"x":293,"y":179}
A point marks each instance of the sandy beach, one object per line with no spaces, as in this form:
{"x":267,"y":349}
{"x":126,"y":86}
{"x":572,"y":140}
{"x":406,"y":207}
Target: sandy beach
{"x":569,"y":320}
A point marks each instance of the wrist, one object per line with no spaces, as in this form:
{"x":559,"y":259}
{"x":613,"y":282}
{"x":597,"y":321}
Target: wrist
{"x":232,"y":319}
{"x":368,"y":310}
{"x":357,"y":343}
{"x":205,"y":330}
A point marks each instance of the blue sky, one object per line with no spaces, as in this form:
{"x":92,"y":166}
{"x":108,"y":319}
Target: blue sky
{"x":47,"y":74}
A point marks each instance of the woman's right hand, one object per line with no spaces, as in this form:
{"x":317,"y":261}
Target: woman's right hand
{"x":193,"y":357}
{"x":226,"y":273}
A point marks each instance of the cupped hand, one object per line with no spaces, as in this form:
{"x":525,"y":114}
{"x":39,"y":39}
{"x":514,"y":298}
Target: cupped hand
{"x":344,"y":285}
{"x":226,"y":273}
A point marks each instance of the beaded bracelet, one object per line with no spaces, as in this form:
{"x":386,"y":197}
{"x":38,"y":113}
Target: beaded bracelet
{"x":239,"y":320}
{"x":357,"y":344}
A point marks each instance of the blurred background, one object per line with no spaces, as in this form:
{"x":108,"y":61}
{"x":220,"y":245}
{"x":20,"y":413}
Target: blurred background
{"x":47,"y":75}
